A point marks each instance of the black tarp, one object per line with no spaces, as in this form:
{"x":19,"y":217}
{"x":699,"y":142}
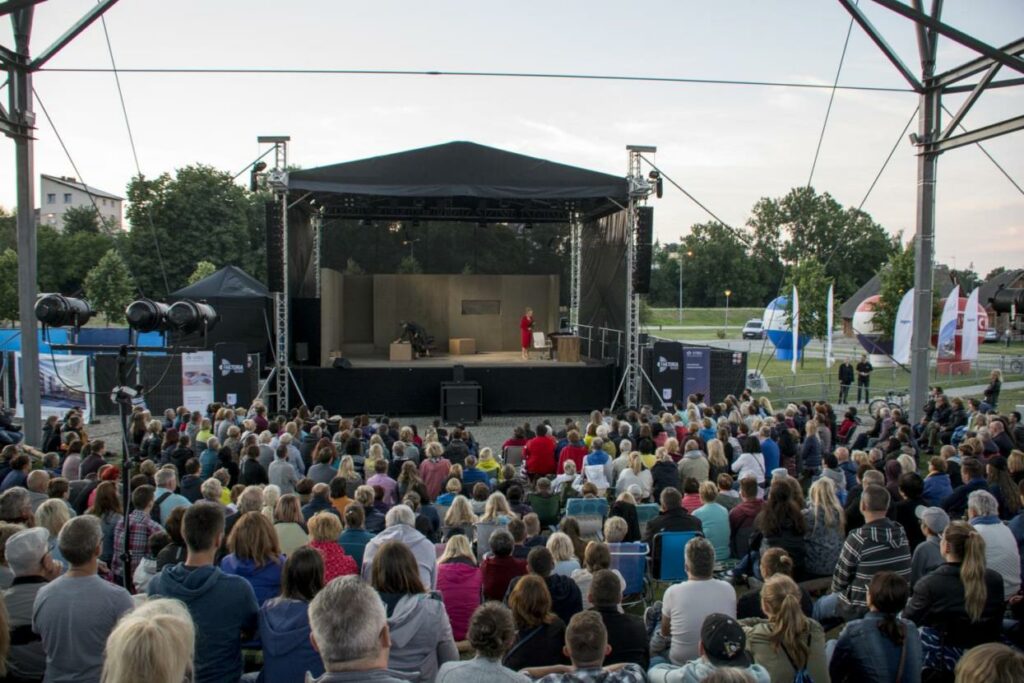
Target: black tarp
{"x":241,"y":301}
{"x":504,"y":185}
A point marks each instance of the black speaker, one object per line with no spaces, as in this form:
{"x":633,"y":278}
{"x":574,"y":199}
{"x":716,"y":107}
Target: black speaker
{"x":462,"y":403}
{"x":342,"y":364}
{"x":301,"y":352}
{"x":459,"y":373}
{"x":275,"y":245}
{"x":644,"y":237}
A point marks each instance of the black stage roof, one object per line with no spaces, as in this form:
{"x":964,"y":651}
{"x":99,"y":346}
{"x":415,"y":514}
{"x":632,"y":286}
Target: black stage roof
{"x":460,"y":181}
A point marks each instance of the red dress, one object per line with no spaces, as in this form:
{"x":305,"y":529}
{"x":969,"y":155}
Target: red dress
{"x":524,"y":331}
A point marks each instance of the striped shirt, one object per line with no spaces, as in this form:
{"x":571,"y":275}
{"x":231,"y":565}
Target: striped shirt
{"x":875,"y":547}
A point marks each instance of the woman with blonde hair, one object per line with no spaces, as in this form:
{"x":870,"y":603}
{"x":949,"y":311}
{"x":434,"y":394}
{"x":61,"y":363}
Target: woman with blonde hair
{"x":52,"y":515}
{"x":375,"y":453}
{"x":157,"y":639}
{"x":991,"y":663}
{"x":497,"y":510}
{"x":787,"y":642}
{"x":960,"y":603}
{"x":289,"y":524}
{"x":825,"y":531}
{"x":489,"y":464}
{"x":460,"y":518}
{"x":271,"y":494}
{"x":564,"y":554}
{"x":717,"y":462}
{"x":347,"y":469}
{"x":324,"y":532}
{"x":907,"y":462}
{"x":255,"y":555}
{"x":459,"y":581}
{"x":635,"y":475}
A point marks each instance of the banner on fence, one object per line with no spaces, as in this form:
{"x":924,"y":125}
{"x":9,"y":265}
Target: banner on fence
{"x":903,"y":329}
{"x":63,"y":385}
{"x":947,"y":325}
{"x":197,"y":380}
{"x":697,"y":372}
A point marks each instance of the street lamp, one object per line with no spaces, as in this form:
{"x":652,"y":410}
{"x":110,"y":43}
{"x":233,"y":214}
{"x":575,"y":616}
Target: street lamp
{"x":728,"y":293}
{"x":680,"y":258}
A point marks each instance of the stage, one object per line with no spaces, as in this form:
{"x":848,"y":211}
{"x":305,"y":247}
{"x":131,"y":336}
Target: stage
{"x":376,"y":385}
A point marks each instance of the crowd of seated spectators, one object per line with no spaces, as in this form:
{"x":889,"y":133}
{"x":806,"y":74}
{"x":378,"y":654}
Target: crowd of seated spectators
{"x":261,"y":547}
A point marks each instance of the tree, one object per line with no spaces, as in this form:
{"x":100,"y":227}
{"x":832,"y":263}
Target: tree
{"x":353,"y":267}
{"x":65,"y":260}
{"x":897,"y":277}
{"x":409,"y":264}
{"x":9,"y":285}
{"x":967,"y":278}
{"x":199,"y":214}
{"x":811,"y":282}
{"x":204,"y":269}
{"x":109,"y":287}
{"x":998,"y":270}
{"x":86,"y":219}
{"x":720,"y":261}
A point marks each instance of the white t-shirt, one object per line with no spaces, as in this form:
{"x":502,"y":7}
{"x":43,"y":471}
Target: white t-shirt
{"x":686,"y":605}
{"x":1001,"y":554}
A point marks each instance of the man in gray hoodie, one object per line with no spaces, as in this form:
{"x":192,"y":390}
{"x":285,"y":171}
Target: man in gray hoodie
{"x":400,"y":525}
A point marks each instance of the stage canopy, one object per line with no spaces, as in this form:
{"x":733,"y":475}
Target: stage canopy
{"x":459,"y":181}
{"x":241,"y":301}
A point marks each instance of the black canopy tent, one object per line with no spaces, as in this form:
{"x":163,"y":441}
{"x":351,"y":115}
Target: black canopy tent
{"x":242,"y":303}
{"x":459,"y":181}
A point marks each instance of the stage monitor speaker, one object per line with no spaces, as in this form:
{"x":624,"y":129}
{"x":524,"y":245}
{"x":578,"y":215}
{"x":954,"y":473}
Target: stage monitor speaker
{"x":644,"y":236}
{"x":275,"y":245}
{"x":342,"y":364}
{"x":301,"y":352}
{"x":461,"y":403}
{"x":459,"y":373}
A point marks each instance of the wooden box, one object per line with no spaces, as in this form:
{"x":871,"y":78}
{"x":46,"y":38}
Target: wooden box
{"x":401,"y":351}
{"x":568,"y":349}
{"x":462,"y":346}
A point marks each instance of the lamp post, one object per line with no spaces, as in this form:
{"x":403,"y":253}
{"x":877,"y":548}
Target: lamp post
{"x":728,"y":293}
{"x":680,"y":259}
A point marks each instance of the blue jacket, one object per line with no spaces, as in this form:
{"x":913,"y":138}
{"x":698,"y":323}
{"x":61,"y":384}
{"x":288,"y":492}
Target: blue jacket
{"x":937,"y":488}
{"x":265,"y":580}
{"x":222,"y":607}
{"x":208,"y":462}
{"x":472,"y":475}
{"x":955,"y":504}
{"x":287,"y":652}
{"x":849,"y":470}
{"x":1017,"y":527}
{"x":354,"y":541}
{"x":317,"y":505}
{"x":863,"y":653}
{"x":770,"y":451}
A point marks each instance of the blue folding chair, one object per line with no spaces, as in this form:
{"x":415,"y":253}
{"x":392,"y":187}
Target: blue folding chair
{"x":645,"y":512}
{"x":630,"y":559}
{"x":590,"y":513}
{"x":672,"y":564}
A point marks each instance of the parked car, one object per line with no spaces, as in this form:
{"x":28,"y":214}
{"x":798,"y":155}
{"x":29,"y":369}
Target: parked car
{"x":991,"y":335}
{"x":754,"y":329}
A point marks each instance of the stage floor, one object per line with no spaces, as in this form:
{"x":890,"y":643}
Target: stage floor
{"x":445,"y":360}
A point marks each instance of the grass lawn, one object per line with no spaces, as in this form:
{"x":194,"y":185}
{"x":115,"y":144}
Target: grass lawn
{"x":703,"y":316}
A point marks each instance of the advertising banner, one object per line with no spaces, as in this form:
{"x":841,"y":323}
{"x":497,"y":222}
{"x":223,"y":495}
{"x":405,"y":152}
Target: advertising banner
{"x":903,"y":329}
{"x":197,"y":380}
{"x":63,"y":384}
{"x":697,"y":372}
{"x":947,"y":325}
{"x":969,"y":345}
{"x":230,"y":377}
{"x":667,"y":371}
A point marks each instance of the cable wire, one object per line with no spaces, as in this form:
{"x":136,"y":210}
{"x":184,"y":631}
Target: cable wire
{"x":831,"y":99}
{"x":135,"y":154}
{"x":990,"y":157}
{"x":892,"y":151}
{"x":476,"y":74}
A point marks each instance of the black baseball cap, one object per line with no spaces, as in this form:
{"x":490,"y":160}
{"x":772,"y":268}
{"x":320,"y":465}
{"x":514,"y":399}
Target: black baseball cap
{"x":725,"y":643}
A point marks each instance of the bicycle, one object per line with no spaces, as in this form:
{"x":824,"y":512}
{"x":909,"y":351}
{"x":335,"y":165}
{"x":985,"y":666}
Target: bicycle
{"x":893,"y":400}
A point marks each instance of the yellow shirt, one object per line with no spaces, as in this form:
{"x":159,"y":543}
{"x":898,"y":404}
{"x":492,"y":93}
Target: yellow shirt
{"x":492,"y":467}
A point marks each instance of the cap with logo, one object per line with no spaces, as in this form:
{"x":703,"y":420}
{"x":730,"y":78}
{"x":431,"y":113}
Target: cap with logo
{"x":724,"y":641}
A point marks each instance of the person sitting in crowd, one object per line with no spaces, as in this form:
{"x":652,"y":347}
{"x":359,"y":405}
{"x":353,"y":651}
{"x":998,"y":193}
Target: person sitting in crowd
{"x":882,"y":646}
{"x":401,"y":523}
{"x":563,"y":593}
{"x":561,"y":547}
{"x":289,"y":525}
{"x":284,"y":627}
{"x":586,"y":644}
{"x":723,"y":648}
{"x":27,"y":553}
{"x":355,"y":536}
{"x":324,"y":532}
{"x":625,"y":631}
{"x":990,"y":663}
{"x":539,"y":631}
{"x":714,"y":520}
{"x":672,"y":518}
{"x":824,"y":522}
{"x":158,"y":638}
{"x":420,"y":632}
{"x":773,"y":561}
{"x":928,"y":555}
{"x":459,"y":583}
{"x":500,"y":567}
{"x":1001,"y":552}
{"x":787,"y":643}
{"x":596,"y":557}
{"x":140,"y":527}
{"x":255,"y":555}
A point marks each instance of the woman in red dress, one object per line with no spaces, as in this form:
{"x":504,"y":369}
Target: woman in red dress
{"x":526,"y":330}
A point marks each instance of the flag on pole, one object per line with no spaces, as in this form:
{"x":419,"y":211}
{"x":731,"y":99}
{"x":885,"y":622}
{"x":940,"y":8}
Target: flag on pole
{"x":796,"y":329}
{"x":969,"y":343}
{"x":828,"y":322}
{"x":903,"y":329}
{"x":947,"y":325}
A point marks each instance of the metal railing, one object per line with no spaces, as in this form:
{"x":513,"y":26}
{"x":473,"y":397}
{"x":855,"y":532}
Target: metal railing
{"x":602,"y":343}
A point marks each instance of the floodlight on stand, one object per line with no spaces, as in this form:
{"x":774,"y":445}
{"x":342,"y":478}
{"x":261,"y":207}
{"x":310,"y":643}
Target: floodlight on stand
{"x":146,"y":315}
{"x":189,"y":317}
{"x":57,"y":310}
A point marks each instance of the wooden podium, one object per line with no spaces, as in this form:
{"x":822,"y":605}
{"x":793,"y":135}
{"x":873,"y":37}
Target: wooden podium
{"x":568,"y":349}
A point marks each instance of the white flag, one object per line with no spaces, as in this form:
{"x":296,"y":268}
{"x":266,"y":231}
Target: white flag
{"x":796,"y":329}
{"x":947,"y":325}
{"x":969,"y":340}
{"x":828,"y":334}
{"x":903,"y":329}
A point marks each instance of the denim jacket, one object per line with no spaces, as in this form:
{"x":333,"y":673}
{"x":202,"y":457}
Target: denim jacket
{"x":863,"y":653}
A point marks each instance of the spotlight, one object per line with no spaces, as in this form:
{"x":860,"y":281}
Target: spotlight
{"x":188,"y":317}
{"x":146,"y":315}
{"x":259,"y":167}
{"x":57,"y":310}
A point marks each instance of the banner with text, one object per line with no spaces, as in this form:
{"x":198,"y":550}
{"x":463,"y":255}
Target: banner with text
{"x":63,"y":385}
{"x":231,"y":379}
{"x":197,"y":380}
{"x":697,"y":372}
{"x":667,"y":371}
{"x":903,"y":329}
{"x":947,"y":325}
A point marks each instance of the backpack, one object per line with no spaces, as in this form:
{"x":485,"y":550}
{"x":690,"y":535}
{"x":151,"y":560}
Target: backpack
{"x":155,"y":514}
{"x":802,"y":675}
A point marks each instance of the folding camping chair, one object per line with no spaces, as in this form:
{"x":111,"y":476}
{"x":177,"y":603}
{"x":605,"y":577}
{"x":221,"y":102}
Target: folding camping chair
{"x":630,"y":559}
{"x":513,"y":455}
{"x":645,"y":512}
{"x":483,"y":537}
{"x":672,"y":548}
{"x":590,"y":513}
{"x":546,"y":507}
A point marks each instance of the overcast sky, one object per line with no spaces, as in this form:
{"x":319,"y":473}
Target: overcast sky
{"x":727,"y":145}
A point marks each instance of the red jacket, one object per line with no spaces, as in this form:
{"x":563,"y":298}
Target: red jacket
{"x":497,"y":573}
{"x":459,"y":584}
{"x":336,"y":562}
{"x":575,"y":452}
{"x":539,"y":454}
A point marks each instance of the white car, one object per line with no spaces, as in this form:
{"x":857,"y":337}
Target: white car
{"x":991,"y":335}
{"x":753,"y":329}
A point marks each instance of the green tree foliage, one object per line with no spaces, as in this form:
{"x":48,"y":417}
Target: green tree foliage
{"x":720,"y":261}
{"x":66,"y":259}
{"x":204,"y":269}
{"x":352,"y":267}
{"x":896,"y":279}
{"x":199,"y":214}
{"x":811,"y":282}
{"x":998,"y":270}
{"x":9,"y":285}
{"x":109,"y":287}
{"x":967,"y":278}
{"x":86,"y":219}
{"x":8,"y":230}
{"x":409,"y":265}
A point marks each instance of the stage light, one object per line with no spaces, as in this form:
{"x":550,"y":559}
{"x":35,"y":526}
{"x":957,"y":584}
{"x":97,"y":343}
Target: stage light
{"x":259,"y":167}
{"x":57,"y":310}
{"x":188,"y":317}
{"x":146,"y":315}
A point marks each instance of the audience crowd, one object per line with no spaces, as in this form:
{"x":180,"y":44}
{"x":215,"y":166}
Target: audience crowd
{"x":785,"y":545}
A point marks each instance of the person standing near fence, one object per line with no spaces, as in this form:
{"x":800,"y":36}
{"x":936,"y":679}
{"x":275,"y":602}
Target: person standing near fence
{"x":845,"y":380}
{"x":864,"y":369}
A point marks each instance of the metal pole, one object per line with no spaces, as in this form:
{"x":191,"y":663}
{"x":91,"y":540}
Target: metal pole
{"x":21,"y":109}
{"x":680,"y":255}
{"x":576,"y":249}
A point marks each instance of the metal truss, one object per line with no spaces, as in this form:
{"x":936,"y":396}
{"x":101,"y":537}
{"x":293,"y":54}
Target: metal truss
{"x":575,"y":266}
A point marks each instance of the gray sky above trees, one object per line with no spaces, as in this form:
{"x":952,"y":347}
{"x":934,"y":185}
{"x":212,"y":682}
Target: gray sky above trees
{"x":727,"y":145}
